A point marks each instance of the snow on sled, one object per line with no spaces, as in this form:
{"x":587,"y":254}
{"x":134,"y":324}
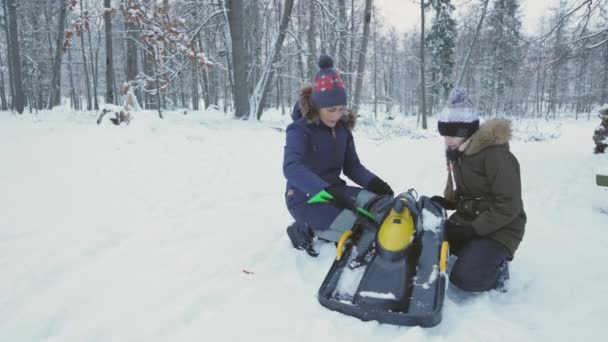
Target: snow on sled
{"x":391,"y":270}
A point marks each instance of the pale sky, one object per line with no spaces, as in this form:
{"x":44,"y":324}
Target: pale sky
{"x":404,"y":15}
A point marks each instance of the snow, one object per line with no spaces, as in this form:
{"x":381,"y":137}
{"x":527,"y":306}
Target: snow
{"x":348,"y":283}
{"x":537,"y":130}
{"x":430,"y":222}
{"x":349,"y":280}
{"x":370,"y":294}
{"x":144,"y":233}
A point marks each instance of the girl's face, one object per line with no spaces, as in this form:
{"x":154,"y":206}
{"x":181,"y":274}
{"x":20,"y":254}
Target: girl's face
{"x":331,"y":115}
{"x":452,"y":143}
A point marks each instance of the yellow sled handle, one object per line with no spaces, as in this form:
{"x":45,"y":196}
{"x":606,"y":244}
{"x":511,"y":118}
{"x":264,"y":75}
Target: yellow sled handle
{"x":341,"y":242}
{"x":443,"y":257}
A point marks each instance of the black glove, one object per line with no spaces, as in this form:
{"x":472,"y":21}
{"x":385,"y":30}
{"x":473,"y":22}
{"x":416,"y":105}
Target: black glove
{"x":379,"y":187}
{"x":445,"y":203}
{"x":460,"y":232}
{"x":341,"y":198}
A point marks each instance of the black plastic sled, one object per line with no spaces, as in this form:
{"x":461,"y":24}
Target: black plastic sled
{"x":393,"y":270}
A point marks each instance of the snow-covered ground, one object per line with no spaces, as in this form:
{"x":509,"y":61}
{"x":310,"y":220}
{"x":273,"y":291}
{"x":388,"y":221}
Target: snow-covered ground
{"x":174,"y":230}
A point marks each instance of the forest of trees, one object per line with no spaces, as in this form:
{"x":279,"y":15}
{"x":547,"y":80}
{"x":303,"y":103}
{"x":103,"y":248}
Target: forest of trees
{"x":244,"y":56}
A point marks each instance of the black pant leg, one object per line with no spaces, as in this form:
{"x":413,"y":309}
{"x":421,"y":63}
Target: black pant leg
{"x":479,"y":265}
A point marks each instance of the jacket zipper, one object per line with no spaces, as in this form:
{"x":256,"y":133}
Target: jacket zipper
{"x":333,"y":134}
{"x":464,"y":185}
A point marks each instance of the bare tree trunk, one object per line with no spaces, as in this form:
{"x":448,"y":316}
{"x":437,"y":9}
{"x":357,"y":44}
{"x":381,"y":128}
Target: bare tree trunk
{"x":477,"y":30}
{"x":194,"y":90}
{"x":604,"y":95}
{"x":11,"y":84}
{"x":254,"y":45}
{"x":85,"y":67}
{"x":553,"y":95}
{"x":311,"y":57}
{"x":352,"y":48}
{"x":19,"y":99}
{"x":204,"y":88}
{"x":367,"y":17}
{"x":239,"y":58}
{"x":558,"y":58}
{"x":375,"y":40}
{"x":149,"y":72}
{"x":300,"y":34}
{"x":107,"y":17}
{"x":538,"y":97}
{"x":2,"y":89}
{"x":280,"y":91}
{"x":543,"y":85}
{"x":581,"y":90}
{"x":206,"y":81}
{"x":75,"y":98}
{"x":287,"y":90}
{"x":161,"y":55}
{"x":213,"y":78}
{"x":94,"y":71}
{"x":227,"y":89}
{"x":266,"y":79}
{"x":49,"y":39}
{"x":55,"y":99}
{"x":228,"y":75}
{"x":537,"y":103}
{"x":182,"y":94}
{"x":195,"y":74}
{"x":158,"y":100}
{"x":277,"y":103}
{"x":422,"y":66}
{"x":342,"y":51}
{"x":132,"y":68}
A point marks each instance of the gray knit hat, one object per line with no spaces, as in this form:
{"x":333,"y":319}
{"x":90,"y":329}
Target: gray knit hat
{"x":460,"y":118}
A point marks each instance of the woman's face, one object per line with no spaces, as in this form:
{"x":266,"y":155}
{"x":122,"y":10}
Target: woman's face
{"x":331,"y":115}
{"x":452,"y":143}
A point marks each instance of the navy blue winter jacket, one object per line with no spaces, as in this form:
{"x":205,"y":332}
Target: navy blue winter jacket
{"x":315,"y":155}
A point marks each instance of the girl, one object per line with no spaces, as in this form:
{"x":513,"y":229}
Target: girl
{"x":319,"y":147}
{"x":484,"y":187}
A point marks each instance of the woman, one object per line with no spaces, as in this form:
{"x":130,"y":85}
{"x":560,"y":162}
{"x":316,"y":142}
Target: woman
{"x":319,"y":147}
{"x":484,"y":187}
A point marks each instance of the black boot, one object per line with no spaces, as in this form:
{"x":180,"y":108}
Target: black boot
{"x":302,"y":238}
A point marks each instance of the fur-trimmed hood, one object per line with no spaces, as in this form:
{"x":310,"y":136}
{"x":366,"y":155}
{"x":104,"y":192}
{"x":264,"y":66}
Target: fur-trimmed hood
{"x":492,"y":132}
{"x":307,"y":110}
